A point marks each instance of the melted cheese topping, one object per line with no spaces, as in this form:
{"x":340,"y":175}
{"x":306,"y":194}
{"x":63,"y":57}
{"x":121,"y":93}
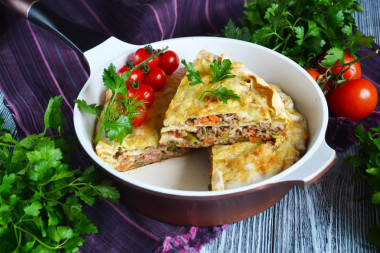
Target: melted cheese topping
{"x":246,"y":163}
{"x":259,"y":101}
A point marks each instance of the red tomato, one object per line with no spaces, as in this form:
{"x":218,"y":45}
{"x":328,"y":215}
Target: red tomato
{"x":141,"y":54}
{"x":355,"y":71}
{"x":169,"y":62}
{"x":314,"y":74}
{"x":144,"y":92}
{"x":355,"y":99}
{"x":136,"y":75}
{"x":140,"y":118}
{"x":156,"y":78}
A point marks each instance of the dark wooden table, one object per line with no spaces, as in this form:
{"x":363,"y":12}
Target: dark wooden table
{"x":324,"y":217}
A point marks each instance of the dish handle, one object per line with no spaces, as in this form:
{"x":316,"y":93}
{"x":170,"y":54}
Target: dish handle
{"x":78,"y":37}
{"x":318,"y":164}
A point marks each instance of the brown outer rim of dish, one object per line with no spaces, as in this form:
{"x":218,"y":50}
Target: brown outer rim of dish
{"x":320,"y":174}
{"x":206,"y":210}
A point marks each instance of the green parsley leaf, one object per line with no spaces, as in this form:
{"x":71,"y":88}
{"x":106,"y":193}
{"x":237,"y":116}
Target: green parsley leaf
{"x":119,"y":128}
{"x":113,"y":81}
{"x":221,"y":71}
{"x":53,"y":114}
{"x":38,"y":212}
{"x":233,"y":32}
{"x":301,"y":30}
{"x":33,"y":209}
{"x":367,"y":163}
{"x":374,"y":235}
{"x":107,"y":191}
{"x":92,"y":108}
{"x":193,"y":76}
{"x":376,"y":198}
{"x":6,"y":184}
{"x":2,"y":121}
{"x":223,"y":93}
{"x":333,"y":55}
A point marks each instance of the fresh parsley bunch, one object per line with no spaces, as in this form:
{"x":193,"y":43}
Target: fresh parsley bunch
{"x":301,"y":30}
{"x":40,"y":208}
{"x":367,"y":162}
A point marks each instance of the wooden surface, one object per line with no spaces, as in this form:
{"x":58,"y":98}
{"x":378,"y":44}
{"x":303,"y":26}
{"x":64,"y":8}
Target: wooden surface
{"x":324,"y":217}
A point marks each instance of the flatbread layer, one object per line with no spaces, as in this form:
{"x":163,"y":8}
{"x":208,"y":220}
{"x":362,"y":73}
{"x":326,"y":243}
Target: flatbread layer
{"x":142,"y":146}
{"x":246,"y":163}
{"x":190,"y":122}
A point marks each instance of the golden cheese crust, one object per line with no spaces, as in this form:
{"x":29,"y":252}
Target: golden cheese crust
{"x":142,"y":146}
{"x":246,"y":163}
{"x":259,"y":104}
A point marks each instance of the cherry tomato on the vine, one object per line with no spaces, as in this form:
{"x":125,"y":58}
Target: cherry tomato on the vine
{"x":169,"y":62}
{"x":355,"y":99}
{"x":354,"y":72}
{"x":141,"y":54}
{"x":156,"y":78}
{"x":140,"y":117}
{"x":314,"y":74}
{"x":144,"y":92}
{"x":136,"y":75}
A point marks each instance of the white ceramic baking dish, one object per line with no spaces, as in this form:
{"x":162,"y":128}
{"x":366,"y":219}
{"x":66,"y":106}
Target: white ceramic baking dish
{"x":175,"y":190}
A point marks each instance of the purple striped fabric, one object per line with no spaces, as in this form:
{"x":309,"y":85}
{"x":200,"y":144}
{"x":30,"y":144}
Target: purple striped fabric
{"x":35,"y":65}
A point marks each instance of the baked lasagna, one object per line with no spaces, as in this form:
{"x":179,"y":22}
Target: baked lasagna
{"x":192,"y":122}
{"x":142,"y":146}
{"x":246,"y":163}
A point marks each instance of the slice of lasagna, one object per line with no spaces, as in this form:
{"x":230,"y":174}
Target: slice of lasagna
{"x":192,"y":122}
{"x":142,"y":147}
{"x":246,"y":163}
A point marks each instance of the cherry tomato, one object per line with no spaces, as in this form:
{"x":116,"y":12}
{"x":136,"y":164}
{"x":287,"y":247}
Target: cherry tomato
{"x":141,"y":54}
{"x":355,"y":71}
{"x":314,"y":74}
{"x":136,"y":75}
{"x":144,"y":92}
{"x":354,"y":99}
{"x":156,"y":78}
{"x":169,"y":62}
{"x":140,"y":118}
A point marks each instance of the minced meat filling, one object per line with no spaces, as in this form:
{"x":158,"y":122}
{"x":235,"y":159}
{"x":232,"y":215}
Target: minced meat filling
{"x":151,"y":155}
{"x":228,"y":134}
{"x":228,"y":118}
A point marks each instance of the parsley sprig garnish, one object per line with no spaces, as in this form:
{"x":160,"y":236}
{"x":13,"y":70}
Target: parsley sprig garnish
{"x":221,"y":71}
{"x":118,"y":114}
{"x":367,"y":163}
{"x":302,"y":30}
{"x":38,"y":209}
